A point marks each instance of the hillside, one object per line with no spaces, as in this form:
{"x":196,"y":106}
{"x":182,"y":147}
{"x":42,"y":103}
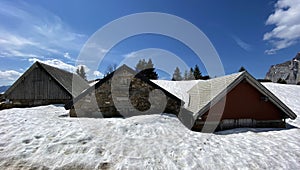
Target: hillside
{"x":44,"y":137}
{"x":3,"y":89}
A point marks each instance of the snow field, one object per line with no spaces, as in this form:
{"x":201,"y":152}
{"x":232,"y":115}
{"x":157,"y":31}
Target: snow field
{"x":44,"y":137}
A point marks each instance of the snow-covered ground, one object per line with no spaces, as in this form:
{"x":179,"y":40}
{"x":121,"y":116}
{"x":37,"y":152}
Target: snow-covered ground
{"x":43,"y":137}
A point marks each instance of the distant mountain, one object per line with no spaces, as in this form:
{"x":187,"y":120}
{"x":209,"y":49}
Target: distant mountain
{"x":3,"y":88}
{"x":288,"y":71}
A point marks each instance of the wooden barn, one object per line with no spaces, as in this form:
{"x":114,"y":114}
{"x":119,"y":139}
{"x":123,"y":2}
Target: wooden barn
{"x":234,"y":101}
{"x":123,"y":93}
{"x":42,"y":84}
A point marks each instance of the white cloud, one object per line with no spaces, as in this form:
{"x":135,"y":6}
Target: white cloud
{"x":56,"y":63}
{"x":98,"y":74}
{"x":68,"y":67}
{"x":7,"y":77}
{"x":133,"y":54}
{"x":16,"y":53}
{"x":286,"y":19}
{"x":35,"y":32}
{"x":242,"y":44}
{"x":67,"y":55}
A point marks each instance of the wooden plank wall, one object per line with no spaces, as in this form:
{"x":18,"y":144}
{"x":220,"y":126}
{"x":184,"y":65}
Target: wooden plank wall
{"x":38,"y":85}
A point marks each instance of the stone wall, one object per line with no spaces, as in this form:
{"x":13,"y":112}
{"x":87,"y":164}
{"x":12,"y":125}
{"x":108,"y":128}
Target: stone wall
{"x":125,"y":96}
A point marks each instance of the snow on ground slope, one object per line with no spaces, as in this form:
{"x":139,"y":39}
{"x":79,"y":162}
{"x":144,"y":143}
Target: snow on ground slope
{"x":288,"y":94}
{"x":43,"y":137}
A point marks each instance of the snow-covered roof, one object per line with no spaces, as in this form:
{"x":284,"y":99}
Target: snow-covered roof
{"x":93,"y":82}
{"x":178,"y":88}
{"x":287,"y":93}
{"x":203,"y":92}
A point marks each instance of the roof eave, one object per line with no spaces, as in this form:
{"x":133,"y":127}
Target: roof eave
{"x":8,"y":91}
{"x":271,"y":96}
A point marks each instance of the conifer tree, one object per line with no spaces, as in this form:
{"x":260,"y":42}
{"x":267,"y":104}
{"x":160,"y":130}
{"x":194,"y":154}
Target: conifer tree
{"x":185,"y":75}
{"x":197,"y":73}
{"x":81,"y":72}
{"x":146,"y":69}
{"x":177,"y":75}
{"x":191,"y":74}
{"x":242,"y":69}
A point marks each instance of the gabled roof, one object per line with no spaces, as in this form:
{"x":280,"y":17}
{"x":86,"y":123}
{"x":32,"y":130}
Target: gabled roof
{"x":109,"y":76}
{"x":207,"y":93}
{"x":72,"y":83}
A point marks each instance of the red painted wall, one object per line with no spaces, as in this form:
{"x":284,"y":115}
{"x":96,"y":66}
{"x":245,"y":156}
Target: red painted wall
{"x":245,"y":102}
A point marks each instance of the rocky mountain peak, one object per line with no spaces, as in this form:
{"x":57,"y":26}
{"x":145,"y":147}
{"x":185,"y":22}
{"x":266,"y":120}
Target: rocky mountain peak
{"x":297,"y":56}
{"x":288,"y":71}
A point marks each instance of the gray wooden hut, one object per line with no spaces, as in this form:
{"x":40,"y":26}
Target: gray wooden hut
{"x":42,"y":84}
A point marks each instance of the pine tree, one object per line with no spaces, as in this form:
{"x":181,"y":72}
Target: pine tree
{"x":177,"y":75}
{"x":197,"y":73}
{"x":185,"y":75}
{"x":242,"y":69}
{"x":81,"y":72}
{"x":146,"y":69}
{"x":281,"y":81}
{"x":150,"y":64}
{"x":191,"y":74}
{"x":141,"y":65}
{"x":111,"y":68}
{"x":149,"y":73}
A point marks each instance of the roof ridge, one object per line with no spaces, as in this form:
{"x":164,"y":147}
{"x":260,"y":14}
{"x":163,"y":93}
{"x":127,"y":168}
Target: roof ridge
{"x":228,"y":75}
{"x":47,"y":65}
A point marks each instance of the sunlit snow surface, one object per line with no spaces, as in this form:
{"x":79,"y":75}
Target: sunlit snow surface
{"x":43,"y":137}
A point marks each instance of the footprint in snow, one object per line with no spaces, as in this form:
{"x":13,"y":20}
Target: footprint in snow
{"x":38,"y":136}
{"x":26,"y":141}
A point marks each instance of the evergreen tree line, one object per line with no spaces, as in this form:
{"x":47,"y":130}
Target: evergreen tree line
{"x":146,"y":69}
{"x":192,"y":74}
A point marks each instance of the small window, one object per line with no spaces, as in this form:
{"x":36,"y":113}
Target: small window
{"x":264,"y":98}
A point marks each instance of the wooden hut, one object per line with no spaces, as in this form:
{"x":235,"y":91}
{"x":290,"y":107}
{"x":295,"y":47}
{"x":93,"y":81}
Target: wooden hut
{"x":42,"y":84}
{"x":233,"y":101}
{"x":124,"y":93}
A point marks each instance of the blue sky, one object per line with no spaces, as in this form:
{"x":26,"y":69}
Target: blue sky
{"x":255,"y":34}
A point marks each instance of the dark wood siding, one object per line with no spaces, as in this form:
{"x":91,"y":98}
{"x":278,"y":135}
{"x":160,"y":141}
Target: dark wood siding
{"x":38,"y":85}
{"x":246,"y":102}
